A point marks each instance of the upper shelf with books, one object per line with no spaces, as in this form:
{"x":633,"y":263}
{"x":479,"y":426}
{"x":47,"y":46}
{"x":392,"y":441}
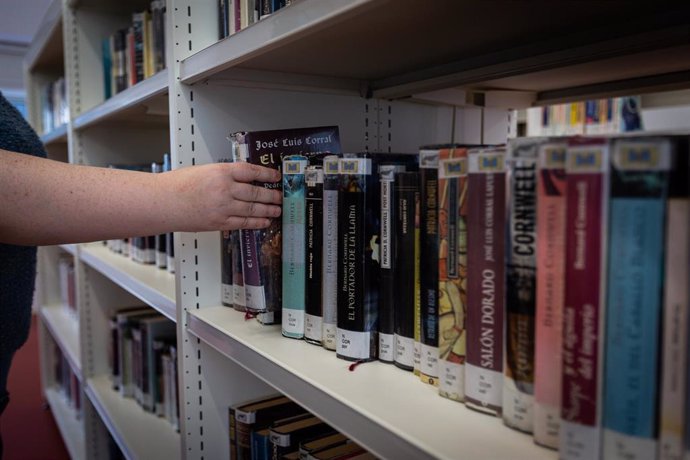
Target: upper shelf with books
{"x":554,"y":49}
{"x":46,"y":54}
{"x":153,"y":286}
{"x":387,"y":410}
{"x":144,"y":102}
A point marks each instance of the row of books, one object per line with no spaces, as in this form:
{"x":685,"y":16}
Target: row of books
{"x":66,"y":381}
{"x":135,"y":53}
{"x":594,"y":117}
{"x":143,"y":360}
{"x":436,"y":270}
{"x":235,"y":15}
{"x":67,"y":284}
{"x":54,"y":105}
{"x":275,"y":427}
{"x":158,"y":250}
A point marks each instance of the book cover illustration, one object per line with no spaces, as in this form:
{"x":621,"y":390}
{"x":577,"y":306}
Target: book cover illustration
{"x":262,"y":249}
{"x":329,"y":291}
{"x":587,"y":166}
{"x":406,"y":200}
{"x":551,"y":189}
{"x":452,"y":271}
{"x":428,"y":367}
{"x":674,"y":354}
{"x":358,"y":260}
{"x":485,"y":280}
{"x":639,"y":186}
{"x":521,"y":278}
{"x":313,"y":324}
{"x":294,"y":276}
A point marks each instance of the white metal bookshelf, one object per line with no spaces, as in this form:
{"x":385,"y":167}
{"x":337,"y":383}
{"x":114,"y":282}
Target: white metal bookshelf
{"x":64,"y":328}
{"x":68,"y":422}
{"x":392,"y":78}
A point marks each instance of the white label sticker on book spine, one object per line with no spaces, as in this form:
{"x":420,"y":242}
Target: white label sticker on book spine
{"x":517,"y":406}
{"x":293,"y":321}
{"x":387,"y":347}
{"x":404,"y":350}
{"x":227,"y":292}
{"x":452,"y":380}
{"x":281,"y":440}
{"x":329,"y":334}
{"x":239,"y":297}
{"x":484,"y":385}
{"x":256,"y":297}
{"x":353,"y":344}
{"x":579,"y":442}
{"x":417,"y":355}
{"x":312,"y":327}
{"x":429,"y":360}
{"x":245,"y":417}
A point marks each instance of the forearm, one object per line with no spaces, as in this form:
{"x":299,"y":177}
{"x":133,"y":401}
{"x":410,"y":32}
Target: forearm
{"x":48,"y":202}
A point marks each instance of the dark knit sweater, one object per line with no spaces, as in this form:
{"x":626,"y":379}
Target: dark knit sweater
{"x":17,"y":263}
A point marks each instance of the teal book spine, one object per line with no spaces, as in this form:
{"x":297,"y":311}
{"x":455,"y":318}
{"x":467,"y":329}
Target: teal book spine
{"x":294,"y":226}
{"x":639,"y":185}
{"x":261,"y":445}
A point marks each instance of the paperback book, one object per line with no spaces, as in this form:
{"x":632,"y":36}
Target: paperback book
{"x":226,"y":287}
{"x":329,"y":291}
{"x":313,"y":324}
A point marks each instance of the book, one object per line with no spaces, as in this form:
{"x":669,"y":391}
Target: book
{"x":313,"y":319}
{"x":674,"y":356}
{"x":239,"y":299}
{"x":158,"y":11}
{"x":428,"y":164}
{"x":255,"y":415}
{"x":639,"y":186}
{"x":223,"y":18}
{"x":587,"y":166}
{"x":417,"y":347}
{"x":287,"y":437}
{"x":139,"y":65}
{"x":452,"y":271}
{"x":322,"y":442}
{"x":227,"y":289}
{"x":262,"y":249}
{"x":485,"y":280}
{"x":358,"y":280}
{"x":521,"y":280}
{"x":406,"y":201}
{"x":339,"y":452}
{"x":294,"y":240}
{"x":261,"y":444}
{"x":154,"y":328}
{"x":329,"y":291}
{"x":551,"y":205}
{"x":387,"y":300}
{"x":127,"y":322}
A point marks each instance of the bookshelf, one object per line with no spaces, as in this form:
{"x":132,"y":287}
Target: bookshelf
{"x":392,"y":78}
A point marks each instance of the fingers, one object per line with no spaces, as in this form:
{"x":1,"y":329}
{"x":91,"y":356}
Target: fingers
{"x":254,"y":209}
{"x":244,"y":223}
{"x":247,"y":172}
{"x":246,"y":192}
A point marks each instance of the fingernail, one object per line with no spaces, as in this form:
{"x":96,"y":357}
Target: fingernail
{"x":277,"y":211}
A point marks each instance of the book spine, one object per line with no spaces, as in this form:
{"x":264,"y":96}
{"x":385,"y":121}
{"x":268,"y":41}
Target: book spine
{"x":294,"y":276}
{"x":521,"y":277}
{"x":428,"y":164}
{"x":138,"y":24}
{"x":452,"y":258}
{"x":329,"y":293}
{"x":243,"y":439}
{"x":387,"y":247}
{"x":674,"y":354}
{"x":417,"y":353}
{"x":357,"y":297}
{"x":639,"y":185}
{"x":226,"y":285}
{"x":223,"y":17}
{"x":586,"y":215}
{"x":107,"y":68}
{"x":232,"y":428}
{"x":406,"y":200}
{"x":551,"y":202}
{"x":486,"y":281}
{"x":239,"y":298}
{"x":313,"y":324}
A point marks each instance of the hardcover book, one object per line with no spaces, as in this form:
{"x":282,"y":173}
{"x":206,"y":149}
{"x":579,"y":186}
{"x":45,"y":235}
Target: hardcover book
{"x":406,"y":201}
{"x":262,"y":249}
{"x":551,"y":203}
{"x":428,"y":165}
{"x":294,"y":277}
{"x":287,"y":437}
{"x":329,"y":292}
{"x":486,"y":279}
{"x":639,"y":186}
{"x":452,"y":271}
{"x":521,"y":280}
{"x":321,"y":443}
{"x":674,"y":354}
{"x":387,"y":263}
{"x":313,"y":324}
{"x":587,"y":167}
{"x":358,"y":280}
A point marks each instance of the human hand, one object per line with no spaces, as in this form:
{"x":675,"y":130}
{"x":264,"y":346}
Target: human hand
{"x":221,"y":196}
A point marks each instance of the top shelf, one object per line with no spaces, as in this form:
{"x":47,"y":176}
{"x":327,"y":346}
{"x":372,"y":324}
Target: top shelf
{"x":560,"y":49}
{"x":46,"y":53}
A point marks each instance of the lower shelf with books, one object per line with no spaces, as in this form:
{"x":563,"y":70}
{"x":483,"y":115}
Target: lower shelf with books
{"x":152,"y":285}
{"x":138,"y":433}
{"x":385,"y":409}
{"x":71,"y":427}
{"x":64,"y":328}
